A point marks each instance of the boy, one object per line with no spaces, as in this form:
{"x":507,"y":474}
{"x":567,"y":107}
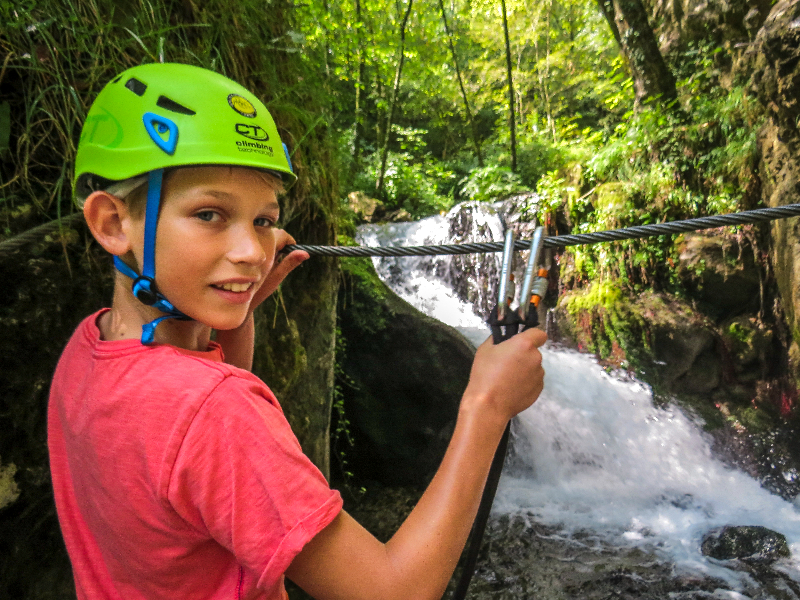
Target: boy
{"x":175,"y":473}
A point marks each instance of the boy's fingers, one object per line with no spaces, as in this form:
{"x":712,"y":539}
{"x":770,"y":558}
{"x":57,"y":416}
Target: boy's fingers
{"x":282,"y":239}
{"x":286,"y":263}
{"x":536,"y":336}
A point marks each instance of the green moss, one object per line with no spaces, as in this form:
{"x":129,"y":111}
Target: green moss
{"x":364,"y":294}
{"x":755,"y":420}
{"x":603,"y":294}
{"x":601,"y":321}
{"x":741,"y":334}
{"x":9,"y":492}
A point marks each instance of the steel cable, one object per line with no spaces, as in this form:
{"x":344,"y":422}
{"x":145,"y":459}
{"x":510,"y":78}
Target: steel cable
{"x":561,"y":241}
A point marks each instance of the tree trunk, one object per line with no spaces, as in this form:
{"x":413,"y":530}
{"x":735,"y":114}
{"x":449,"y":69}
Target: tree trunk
{"x":651,"y":76}
{"x":472,"y":123}
{"x":358,"y":134}
{"x":393,"y":101}
{"x":512,"y":121}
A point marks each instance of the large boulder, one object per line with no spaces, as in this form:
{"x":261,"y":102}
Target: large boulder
{"x":402,"y":377}
{"x":753,"y":544}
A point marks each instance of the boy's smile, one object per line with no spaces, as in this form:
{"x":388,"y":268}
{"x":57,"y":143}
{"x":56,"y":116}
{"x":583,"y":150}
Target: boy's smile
{"x":215,"y":241}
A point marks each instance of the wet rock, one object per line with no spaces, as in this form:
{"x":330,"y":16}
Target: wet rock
{"x":366,"y":209}
{"x":523,"y":559}
{"x":403,"y":376}
{"x":754,"y":544}
{"x":721,"y":274}
{"x":475,"y":277}
{"x":750,"y":346}
{"x":398,"y":216}
{"x":684,"y":356}
{"x":679,"y":354}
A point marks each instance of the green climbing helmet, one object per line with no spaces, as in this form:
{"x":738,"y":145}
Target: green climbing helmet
{"x":163,"y":115}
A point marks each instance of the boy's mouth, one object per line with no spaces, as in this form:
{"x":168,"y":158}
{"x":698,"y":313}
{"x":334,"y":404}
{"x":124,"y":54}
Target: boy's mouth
{"x":234,"y":287}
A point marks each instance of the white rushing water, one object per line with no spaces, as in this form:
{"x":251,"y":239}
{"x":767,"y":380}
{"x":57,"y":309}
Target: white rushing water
{"x":593,"y":453}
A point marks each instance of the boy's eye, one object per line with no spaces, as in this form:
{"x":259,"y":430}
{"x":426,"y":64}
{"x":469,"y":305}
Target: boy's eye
{"x":207,"y":215}
{"x":263,"y":222}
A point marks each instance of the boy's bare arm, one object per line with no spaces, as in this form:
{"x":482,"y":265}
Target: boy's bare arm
{"x":237,"y":344}
{"x":345,"y":562}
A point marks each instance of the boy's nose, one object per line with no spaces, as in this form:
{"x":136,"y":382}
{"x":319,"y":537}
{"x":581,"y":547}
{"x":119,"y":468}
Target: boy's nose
{"x":247,"y":246}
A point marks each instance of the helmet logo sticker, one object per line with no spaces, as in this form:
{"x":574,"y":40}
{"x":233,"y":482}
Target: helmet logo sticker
{"x":254,"y":132}
{"x":157,"y":127}
{"x":242,"y":105}
{"x":102,"y":129}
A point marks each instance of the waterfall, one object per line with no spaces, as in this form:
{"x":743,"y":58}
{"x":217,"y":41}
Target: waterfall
{"x":593,"y":454}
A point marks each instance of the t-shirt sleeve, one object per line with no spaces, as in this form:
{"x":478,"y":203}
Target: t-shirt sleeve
{"x":241,"y":476}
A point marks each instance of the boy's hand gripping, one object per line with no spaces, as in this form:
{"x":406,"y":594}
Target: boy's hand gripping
{"x":505,"y":323}
{"x":283,"y":264}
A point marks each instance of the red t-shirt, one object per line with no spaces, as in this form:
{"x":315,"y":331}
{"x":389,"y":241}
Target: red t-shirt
{"x":175,"y":474}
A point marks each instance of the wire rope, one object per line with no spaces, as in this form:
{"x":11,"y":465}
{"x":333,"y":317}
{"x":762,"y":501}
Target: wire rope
{"x":757,"y":215}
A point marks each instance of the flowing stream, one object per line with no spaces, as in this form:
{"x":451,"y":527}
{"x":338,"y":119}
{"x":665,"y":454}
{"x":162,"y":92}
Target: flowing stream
{"x":594,"y":465}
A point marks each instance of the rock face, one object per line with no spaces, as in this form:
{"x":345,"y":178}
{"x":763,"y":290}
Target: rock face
{"x":403,"y":376}
{"x":659,"y":336}
{"x":294,"y":354}
{"x":753,"y":544}
{"x":777,"y":82}
{"x":366,"y":209}
{"x":721,"y":273}
{"x":724,"y":23}
{"x":475,"y":277}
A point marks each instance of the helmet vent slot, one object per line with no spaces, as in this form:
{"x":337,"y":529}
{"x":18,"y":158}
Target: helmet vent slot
{"x":168,"y":104}
{"x":136,"y":86}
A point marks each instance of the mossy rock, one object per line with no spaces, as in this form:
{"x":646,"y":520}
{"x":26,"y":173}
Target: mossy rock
{"x":750,"y":344}
{"x":403,"y":374}
{"x":656,"y":335}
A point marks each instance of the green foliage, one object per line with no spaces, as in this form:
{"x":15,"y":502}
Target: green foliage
{"x":569,"y":81}
{"x":494,"y":182}
{"x":59,"y":55}
{"x":421,"y":187}
{"x":665,"y":164}
{"x":755,"y":420}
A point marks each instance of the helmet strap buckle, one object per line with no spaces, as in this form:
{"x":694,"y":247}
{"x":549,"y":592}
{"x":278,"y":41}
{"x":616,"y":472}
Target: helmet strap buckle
{"x":144,"y":288}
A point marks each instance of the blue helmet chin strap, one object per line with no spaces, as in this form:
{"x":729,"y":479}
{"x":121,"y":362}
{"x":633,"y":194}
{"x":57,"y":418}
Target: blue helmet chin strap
{"x":144,"y":285}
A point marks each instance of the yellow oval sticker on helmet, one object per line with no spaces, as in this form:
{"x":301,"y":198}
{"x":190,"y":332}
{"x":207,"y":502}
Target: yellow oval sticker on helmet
{"x":242,"y":105}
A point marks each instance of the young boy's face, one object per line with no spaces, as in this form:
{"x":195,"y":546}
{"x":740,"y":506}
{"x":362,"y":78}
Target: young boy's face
{"x":215,"y":242}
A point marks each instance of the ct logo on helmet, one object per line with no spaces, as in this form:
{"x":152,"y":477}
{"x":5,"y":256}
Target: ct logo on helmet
{"x":254,"y":132}
{"x":242,"y":105}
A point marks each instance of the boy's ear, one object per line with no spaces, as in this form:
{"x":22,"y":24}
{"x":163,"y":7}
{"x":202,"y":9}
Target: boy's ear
{"x":109,"y":221}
